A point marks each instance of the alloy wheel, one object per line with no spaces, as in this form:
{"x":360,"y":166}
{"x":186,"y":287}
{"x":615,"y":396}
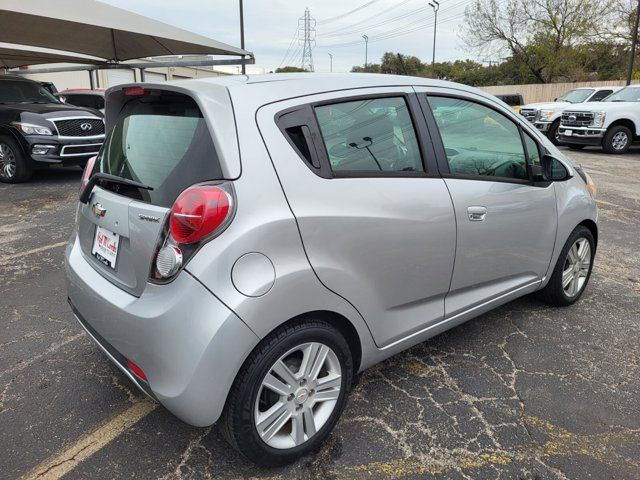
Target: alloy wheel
{"x":576,"y":267}
{"x":298,"y":395}
{"x":7,"y":161}
{"x":619,"y":140}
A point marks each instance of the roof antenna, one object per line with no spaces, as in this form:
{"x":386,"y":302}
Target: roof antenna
{"x":404,"y":68}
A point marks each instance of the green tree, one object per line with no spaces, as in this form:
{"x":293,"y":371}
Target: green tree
{"x":290,"y":69}
{"x":542,"y":35}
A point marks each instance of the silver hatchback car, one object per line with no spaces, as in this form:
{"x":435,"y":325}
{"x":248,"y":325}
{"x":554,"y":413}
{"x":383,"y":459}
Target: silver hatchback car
{"x":244,"y":246}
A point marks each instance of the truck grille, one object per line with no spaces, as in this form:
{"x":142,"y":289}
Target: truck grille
{"x":529,"y":114}
{"x":80,"y":127}
{"x":577,"y":119}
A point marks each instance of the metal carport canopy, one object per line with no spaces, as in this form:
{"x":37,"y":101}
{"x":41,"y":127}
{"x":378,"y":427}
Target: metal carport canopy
{"x":17,"y":55}
{"x":100,"y":30}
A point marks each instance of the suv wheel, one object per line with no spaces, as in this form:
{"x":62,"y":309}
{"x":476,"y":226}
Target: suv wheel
{"x":572,"y":271}
{"x":13,"y":166}
{"x":552,"y":133}
{"x":289,"y":393}
{"x":617,"y":139}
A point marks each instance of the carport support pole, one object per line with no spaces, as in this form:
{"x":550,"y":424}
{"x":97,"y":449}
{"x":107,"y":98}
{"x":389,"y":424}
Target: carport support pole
{"x":142,"y":75}
{"x":91,"y":84}
{"x":244,"y":70}
{"x":634,"y":41}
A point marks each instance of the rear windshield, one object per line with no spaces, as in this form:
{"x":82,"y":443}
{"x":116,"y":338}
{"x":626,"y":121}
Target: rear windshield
{"x":511,"y":100}
{"x":163,"y":143}
{"x":83,"y":100}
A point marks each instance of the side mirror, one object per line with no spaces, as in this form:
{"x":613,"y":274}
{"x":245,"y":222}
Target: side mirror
{"x":549,"y":170}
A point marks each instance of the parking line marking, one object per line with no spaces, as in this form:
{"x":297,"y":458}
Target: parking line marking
{"x":13,"y":256}
{"x":72,"y":455}
{"x":52,"y":348}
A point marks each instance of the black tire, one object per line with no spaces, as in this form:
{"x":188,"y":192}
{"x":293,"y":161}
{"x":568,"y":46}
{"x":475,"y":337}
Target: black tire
{"x":554,"y":293}
{"x":14,"y":167}
{"x":553,"y":132}
{"x":612,"y":144}
{"x":576,"y":146}
{"x":237,"y":422}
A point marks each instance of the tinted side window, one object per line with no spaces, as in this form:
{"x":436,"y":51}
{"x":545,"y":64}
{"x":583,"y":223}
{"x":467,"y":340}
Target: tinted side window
{"x":479,"y":140}
{"x":600,"y":95}
{"x":80,"y":100}
{"x":532,"y":149}
{"x":371,"y":135}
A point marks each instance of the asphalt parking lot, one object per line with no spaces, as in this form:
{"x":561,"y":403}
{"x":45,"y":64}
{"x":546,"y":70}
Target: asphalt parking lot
{"x":524,"y":392}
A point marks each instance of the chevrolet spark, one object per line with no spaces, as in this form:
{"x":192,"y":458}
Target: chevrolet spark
{"x":244,"y":246}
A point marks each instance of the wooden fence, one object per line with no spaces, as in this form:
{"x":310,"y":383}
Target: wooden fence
{"x":546,"y":92}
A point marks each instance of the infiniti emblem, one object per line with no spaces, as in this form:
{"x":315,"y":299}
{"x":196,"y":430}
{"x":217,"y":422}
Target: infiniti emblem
{"x":98,"y":210}
{"x":85,"y":127}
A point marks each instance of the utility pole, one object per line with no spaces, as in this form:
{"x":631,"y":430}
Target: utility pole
{"x":436,"y":6}
{"x":308,"y":25}
{"x":330,"y":62}
{"x":634,"y":41}
{"x":242,"y":34}
{"x":366,"y":49}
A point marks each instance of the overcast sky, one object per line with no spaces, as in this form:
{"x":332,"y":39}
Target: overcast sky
{"x":404,"y":26}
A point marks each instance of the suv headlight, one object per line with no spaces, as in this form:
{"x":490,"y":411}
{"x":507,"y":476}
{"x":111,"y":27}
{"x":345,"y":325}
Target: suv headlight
{"x":598,"y":119}
{"x":31,"y":129}
{"x":545,"y":115}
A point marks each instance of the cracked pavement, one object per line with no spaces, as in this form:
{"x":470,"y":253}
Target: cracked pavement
{"x":523,"y":392}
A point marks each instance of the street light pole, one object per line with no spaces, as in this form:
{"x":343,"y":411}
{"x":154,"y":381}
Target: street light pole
{"x":366,"y":48}
{"x":244,"y":71}
{"x":634,"y":41}
{"x":330,"y":62}
{"x":436,"y":6}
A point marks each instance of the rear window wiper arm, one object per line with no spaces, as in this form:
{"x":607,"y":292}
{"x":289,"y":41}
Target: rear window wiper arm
{"x":96,"y":177}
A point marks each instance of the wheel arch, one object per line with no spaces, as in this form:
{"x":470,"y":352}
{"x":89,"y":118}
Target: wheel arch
{"x":593,"y":228}
{"x":342,"y":324}
{"x":625,"y":122}
{"x":9,"y":133}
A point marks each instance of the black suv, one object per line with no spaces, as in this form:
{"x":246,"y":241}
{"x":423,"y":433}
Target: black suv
{"x":37,"y":129}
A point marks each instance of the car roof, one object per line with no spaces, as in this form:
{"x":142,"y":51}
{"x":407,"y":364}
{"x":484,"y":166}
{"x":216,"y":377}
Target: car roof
{"x":604,"y":87}
{"x":17,"y":77}
{"x":262,"y":89}
{"x":86,"y":91}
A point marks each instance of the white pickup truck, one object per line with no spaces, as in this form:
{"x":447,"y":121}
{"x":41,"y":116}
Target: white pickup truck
{"x":613,"y":124}
{"x":546,"y":116}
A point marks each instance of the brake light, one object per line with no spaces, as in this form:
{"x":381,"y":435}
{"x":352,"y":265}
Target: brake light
{"x":86,"y":175}
{"x":137,"y":370}
{"x":135,"y":91}
{"x":198,"y":212}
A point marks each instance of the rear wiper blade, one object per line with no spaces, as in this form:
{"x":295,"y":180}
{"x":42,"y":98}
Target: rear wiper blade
{"x":96,"y":177}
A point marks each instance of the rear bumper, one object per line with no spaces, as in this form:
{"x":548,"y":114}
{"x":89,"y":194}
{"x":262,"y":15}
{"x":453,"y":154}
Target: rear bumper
{"x":189,"y":345}
{"x":581,"y":135}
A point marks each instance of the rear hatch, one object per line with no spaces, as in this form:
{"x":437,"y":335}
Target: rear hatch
{"x":161,"y":140}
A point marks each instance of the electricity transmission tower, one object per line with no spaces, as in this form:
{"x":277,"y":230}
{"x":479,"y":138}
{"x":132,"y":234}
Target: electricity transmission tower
{"x":307,"y":25}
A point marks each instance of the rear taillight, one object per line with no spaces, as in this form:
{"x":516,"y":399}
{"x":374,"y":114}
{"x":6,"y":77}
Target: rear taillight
{"x":87,"y":173}
{"x":198,"y":212}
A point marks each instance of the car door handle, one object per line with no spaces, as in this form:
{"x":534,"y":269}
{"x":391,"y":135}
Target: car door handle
{"x":476,"y":214}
